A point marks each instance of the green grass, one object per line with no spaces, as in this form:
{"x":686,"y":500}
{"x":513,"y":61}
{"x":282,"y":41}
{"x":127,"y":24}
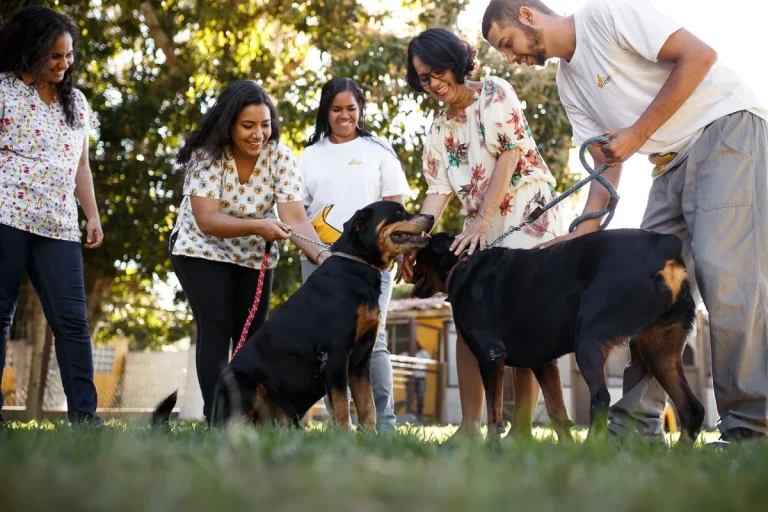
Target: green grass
{"x":127,"y":466}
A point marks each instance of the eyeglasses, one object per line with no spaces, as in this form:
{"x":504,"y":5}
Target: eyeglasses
{"x":425,"y":78}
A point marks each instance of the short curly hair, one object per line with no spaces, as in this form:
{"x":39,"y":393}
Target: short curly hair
{"x":440,"y":49}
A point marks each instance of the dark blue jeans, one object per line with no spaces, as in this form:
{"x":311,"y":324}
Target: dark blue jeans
{"x":55,"y":268}
{"x":220,"y":296}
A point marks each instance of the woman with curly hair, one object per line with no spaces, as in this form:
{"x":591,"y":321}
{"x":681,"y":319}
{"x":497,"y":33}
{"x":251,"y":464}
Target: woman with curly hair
{"x":481,"y":149}
{"x":44,"y":171}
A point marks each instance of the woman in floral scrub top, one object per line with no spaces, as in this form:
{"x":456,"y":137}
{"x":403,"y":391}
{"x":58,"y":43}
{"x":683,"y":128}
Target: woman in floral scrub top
{"x":237,"y":172}
{"x":44,"y":126}
{"x":481,"y":149}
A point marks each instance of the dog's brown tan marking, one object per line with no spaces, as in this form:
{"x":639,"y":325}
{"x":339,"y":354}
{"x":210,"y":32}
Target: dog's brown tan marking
{"x":661,"y":348}
{"x":607,"y":347}
{"x":391,"y":250}
{"x":674,"y":275}
{"x":548,"y":376}
{"x":494,"y":396}
{"x":367,"y":319}
{"x":264,"y":410}
{"x":362,"y":395}
{"x":340,"y":407}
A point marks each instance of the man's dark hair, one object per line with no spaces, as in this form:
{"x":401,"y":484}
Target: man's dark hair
{"x":504,"y":12}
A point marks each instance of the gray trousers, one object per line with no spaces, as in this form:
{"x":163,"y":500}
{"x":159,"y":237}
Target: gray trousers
{"x":381,"y":365}
{"x":716,"y":201}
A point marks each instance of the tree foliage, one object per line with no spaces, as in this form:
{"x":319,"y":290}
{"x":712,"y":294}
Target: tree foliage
{"x":149,"y":68}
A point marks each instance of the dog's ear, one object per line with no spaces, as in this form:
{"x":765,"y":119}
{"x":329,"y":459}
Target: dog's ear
{"x":361,"y":219}
{"x":441,"y":243}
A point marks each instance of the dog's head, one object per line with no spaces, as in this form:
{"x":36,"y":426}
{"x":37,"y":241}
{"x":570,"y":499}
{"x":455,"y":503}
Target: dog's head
{"x":433,"y":264}
{"x":382,"y":231}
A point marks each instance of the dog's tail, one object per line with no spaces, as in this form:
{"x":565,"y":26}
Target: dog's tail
{"x":162,"y":413}
{"x":672,"y":248}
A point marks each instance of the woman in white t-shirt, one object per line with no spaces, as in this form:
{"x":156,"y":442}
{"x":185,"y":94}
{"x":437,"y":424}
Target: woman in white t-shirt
{"x":237,"y":172}
{"x":345,"y":168}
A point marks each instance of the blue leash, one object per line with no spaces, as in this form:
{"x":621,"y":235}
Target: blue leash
{"x":593,"y":175}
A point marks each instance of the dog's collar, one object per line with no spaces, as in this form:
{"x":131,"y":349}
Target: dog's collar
{"x":355,"y":258}
{"x":464,"y":257}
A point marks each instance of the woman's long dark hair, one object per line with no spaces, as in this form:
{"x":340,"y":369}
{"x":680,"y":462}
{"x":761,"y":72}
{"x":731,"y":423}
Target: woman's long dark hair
{"x":330,"y":90}
{"x":213,"y":133}
{"x":25,"y":46}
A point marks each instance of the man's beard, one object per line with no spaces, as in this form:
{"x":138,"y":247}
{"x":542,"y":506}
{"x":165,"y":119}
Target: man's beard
{"x":536,"y":48}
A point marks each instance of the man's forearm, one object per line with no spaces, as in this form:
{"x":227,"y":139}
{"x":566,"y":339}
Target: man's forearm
{"x":688,"y":73}
{"x":598,"y":195}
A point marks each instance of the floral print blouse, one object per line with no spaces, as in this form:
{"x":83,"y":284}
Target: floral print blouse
{"x":274,"y":179}
{"x":39,"y":157}
{"x":460,"y":154}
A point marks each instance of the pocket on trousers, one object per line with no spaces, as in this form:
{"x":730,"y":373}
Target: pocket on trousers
{"x":726,"y":178}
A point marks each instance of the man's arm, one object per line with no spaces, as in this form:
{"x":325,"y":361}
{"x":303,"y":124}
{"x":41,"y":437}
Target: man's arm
{"x":596,"y":200}
{"x":692,"y":59}
{"x":598,"y":195}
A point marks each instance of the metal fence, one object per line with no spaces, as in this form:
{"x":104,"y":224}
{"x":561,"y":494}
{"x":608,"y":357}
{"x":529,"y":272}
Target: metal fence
{"x":127,"y":383}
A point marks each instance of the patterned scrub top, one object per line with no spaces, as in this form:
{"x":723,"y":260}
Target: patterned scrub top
{"x":274,"y":179}
{"x":460,"y":154}
{"x":39,"y":157}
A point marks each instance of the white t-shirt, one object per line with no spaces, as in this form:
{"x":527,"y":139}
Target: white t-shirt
{"x":339,"y":179}
{"x":615,"y":75}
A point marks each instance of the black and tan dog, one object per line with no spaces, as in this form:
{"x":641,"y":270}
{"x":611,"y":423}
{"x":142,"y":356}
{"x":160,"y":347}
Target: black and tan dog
{"x":320,"y":341}
{"x":527,"y":308}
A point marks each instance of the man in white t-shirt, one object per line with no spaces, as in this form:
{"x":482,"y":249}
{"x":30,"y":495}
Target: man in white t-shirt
{"x":635,"y":75}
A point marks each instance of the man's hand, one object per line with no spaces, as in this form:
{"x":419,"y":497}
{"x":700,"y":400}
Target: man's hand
{"x":624,"y":143}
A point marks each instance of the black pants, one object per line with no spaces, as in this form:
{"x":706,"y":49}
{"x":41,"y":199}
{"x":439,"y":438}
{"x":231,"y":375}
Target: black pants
{"x":55,"y":268}
{"x":220,"y":295}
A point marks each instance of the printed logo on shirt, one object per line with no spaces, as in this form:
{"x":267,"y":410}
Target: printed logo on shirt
{"x":602,"y":81}
{"x":327,"y":233}
{"x":355,"y":162}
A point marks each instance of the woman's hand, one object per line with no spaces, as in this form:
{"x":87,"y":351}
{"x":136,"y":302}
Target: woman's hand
{"x":272,"y":229}
{"x":474,"y":236}
{"x":94,"y":234}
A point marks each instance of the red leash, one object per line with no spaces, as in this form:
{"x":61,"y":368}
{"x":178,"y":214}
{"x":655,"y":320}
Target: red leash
{"x":256,"y":299}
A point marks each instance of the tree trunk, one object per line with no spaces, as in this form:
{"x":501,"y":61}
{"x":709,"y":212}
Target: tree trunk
{"x":96,"y":292}
{"x":36,"y":326}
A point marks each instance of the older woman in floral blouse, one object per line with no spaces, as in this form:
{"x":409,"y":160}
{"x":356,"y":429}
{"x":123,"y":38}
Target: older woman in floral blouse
{"x":481,"y":149}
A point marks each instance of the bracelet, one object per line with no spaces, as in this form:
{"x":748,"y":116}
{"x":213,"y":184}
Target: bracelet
{"x":317,"y":260}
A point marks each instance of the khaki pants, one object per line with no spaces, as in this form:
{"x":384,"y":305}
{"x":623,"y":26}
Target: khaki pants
{"x":716,"y":201}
